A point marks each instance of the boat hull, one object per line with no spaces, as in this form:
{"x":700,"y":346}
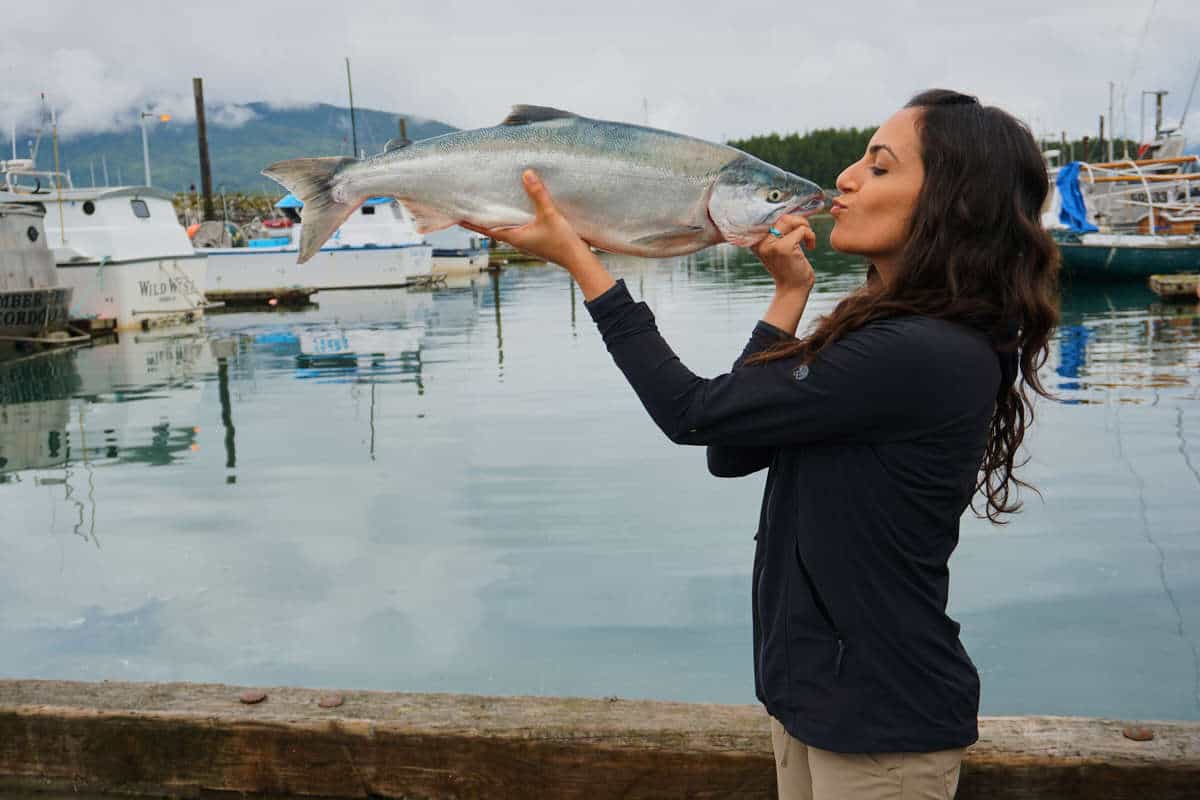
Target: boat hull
{"x":457,"y":262}
{"x":137,"y":293}
{"x":33,"y":312}
{"x":1128,"y":257}
{"x":249,"y":269}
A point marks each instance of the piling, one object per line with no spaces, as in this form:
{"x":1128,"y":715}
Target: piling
{"x":107,"y":740}
{"x":202,"y":143}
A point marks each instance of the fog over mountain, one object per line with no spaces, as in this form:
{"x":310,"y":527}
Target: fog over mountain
{"x":242,"y":139}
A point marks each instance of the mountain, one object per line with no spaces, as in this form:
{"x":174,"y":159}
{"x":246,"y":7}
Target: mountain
{"x":236,"y":153}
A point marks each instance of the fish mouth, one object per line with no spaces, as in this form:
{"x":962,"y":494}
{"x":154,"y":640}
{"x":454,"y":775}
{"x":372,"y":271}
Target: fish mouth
{"x":812,"y":204}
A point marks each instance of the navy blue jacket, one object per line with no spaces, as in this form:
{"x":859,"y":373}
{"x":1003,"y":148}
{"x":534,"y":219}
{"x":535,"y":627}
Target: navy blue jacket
{"x":873,"y":451}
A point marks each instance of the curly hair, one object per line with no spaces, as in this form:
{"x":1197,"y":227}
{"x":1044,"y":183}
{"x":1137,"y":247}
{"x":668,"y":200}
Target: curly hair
{"x":976,"y":254}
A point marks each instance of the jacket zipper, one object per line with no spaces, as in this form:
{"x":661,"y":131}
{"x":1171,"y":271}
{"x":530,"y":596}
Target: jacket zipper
{"x":823,"y":610}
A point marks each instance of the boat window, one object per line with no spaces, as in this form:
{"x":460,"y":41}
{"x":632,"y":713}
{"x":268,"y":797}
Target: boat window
{"x":140,"y":209}
{"x":89,"y":207}
{"x":368,"y":209}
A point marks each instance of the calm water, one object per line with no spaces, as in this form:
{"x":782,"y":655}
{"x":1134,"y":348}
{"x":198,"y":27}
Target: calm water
{"x":478,"y":503}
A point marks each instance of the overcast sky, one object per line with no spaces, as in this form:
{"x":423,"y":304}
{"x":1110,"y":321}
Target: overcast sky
{"x":714,"y":70}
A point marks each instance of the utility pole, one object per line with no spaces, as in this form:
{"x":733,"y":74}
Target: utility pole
{"x":145,"y":115}
{"x":353,"y":126}
{"x":202,"y":143}
{"x":1158,"y":96}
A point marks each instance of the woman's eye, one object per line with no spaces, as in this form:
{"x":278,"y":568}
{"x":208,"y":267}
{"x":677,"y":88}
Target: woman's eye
{"x":774,"y":196}
{"x":878,"y":171}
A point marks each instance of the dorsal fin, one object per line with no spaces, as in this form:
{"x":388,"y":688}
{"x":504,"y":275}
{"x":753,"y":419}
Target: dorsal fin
{"x":527,"y":115}
{"x":396,"y":144}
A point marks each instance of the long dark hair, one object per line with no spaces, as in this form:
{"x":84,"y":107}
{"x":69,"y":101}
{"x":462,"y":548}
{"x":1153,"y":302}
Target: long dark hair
{"x":976,"y":254}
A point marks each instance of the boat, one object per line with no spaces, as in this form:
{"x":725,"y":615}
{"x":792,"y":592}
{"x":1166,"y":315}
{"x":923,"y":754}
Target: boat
{"x":121,"y":250}
{"x":33,"y":307}
{"x":1128,"y":219}
{"x":377,"y":247}
{"x":458,"y":251}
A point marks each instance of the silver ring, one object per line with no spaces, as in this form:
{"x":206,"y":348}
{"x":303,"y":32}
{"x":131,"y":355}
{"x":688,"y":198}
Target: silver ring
{"x":774,"y":232}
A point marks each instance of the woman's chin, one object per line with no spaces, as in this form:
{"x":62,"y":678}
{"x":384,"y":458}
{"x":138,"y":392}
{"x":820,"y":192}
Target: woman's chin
{"x":839,"y":243}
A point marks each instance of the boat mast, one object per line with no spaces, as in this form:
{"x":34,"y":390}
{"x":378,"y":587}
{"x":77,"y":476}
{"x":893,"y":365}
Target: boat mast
{"x":62,"y":228}
{"x":353,"y":127}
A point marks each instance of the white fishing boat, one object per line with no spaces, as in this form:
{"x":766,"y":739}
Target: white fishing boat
{"x":458,"y":251}
{"x":377,"y":247}
{"x":120,"y":250}
{"x":33,"y":307}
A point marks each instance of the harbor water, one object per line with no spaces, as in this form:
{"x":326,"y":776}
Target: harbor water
{"x":455,"y":490}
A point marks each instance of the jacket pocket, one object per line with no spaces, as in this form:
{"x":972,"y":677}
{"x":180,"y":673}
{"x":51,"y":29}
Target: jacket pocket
{"x":822,"y":610}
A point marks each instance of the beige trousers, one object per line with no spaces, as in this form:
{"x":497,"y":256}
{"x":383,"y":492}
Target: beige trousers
{"x":809,"y":773}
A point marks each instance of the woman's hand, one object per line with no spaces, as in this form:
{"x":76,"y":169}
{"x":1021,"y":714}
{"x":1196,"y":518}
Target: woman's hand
{"x":552,"y":238}
{"x":549,"y":236}
{"x":784,"y":257}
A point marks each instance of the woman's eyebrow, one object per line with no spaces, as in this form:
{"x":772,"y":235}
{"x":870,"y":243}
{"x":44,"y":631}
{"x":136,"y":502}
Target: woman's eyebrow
{"x":875,"y":148}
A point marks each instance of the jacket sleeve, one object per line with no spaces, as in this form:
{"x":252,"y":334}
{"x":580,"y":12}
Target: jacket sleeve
{"x":730,"y":461}
{"x":872,"y":385}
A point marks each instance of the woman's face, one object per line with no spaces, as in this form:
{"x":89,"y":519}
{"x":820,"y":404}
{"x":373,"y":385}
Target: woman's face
{"x":879,"y":194}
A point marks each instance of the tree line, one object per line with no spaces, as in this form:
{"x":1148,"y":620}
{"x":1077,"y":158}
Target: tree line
{"x":820,"y":155}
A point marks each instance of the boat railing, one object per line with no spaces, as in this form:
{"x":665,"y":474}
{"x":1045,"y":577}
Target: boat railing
{"x":13,"y":171}
{"x":1147,"y":177}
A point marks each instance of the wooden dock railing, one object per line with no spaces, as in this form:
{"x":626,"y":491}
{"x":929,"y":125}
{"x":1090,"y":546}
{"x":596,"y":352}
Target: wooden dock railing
{"x":102,"y":740}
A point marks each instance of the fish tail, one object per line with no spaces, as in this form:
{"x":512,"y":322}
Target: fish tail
{"x":313,"y":181}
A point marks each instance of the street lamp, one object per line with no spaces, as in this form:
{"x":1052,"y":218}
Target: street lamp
{"x":146,"y":142}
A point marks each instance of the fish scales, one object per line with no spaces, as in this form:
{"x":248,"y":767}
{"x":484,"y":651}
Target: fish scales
{"x":625,"y":188}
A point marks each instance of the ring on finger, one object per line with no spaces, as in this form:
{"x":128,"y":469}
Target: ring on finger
{"x":774,"y":232}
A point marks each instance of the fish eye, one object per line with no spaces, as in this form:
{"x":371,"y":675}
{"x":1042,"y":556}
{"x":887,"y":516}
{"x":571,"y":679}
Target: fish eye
{"x":775,"y":196}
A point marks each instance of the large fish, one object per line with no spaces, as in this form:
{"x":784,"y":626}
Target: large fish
{"x":625,"y":188}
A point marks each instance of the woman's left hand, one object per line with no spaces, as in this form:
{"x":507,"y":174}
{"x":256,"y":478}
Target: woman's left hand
{"x":550,"y":236}
{"x":784,"y":257}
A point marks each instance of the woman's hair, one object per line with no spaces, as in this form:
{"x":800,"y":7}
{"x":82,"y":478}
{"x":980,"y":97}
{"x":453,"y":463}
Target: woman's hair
{"x":976,"y":254}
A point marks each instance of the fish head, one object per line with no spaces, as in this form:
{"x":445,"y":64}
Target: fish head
{"x":749,"y":195}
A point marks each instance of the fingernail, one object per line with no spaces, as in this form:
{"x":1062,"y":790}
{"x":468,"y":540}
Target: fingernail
{"x":529,"y":177}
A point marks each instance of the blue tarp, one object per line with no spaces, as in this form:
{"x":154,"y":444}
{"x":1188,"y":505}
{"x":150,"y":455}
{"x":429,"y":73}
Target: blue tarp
{"x":1074,"y":211}
{"x":291,"y":201}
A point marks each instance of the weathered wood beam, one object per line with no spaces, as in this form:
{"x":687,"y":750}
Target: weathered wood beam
{"x":101,"y":740}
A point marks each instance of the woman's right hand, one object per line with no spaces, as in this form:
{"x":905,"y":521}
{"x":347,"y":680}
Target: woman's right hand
{"x":784,"y":257}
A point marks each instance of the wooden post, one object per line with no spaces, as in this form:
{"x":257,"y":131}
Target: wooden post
{"x":1087,"y":149}
{"x":202,"y":142}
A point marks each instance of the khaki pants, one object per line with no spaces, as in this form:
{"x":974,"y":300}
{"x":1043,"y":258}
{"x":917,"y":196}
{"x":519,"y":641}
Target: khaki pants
{"x":809,"y":773}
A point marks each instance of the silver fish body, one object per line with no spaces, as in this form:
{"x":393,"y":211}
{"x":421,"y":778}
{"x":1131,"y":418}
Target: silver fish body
{"x":625,"y":188}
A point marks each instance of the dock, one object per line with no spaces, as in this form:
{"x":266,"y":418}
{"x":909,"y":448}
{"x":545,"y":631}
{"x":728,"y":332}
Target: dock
{"x":1176,"y":287}
{"x":109,"y":739}
{"x":240,"y":299}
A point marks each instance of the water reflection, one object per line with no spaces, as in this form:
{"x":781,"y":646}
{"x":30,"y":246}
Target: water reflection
{"x":35,"y":410}
{"x":1121,"y":337}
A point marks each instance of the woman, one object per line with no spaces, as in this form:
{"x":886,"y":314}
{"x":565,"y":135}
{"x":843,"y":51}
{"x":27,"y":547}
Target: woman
{"x":877,"y":428}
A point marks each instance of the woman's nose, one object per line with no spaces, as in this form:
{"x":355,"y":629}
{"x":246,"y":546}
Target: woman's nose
{"x":845,"y":182}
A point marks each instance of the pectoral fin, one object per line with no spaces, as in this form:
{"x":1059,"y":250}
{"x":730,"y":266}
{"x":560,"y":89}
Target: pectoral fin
{"x":672,"y":239}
